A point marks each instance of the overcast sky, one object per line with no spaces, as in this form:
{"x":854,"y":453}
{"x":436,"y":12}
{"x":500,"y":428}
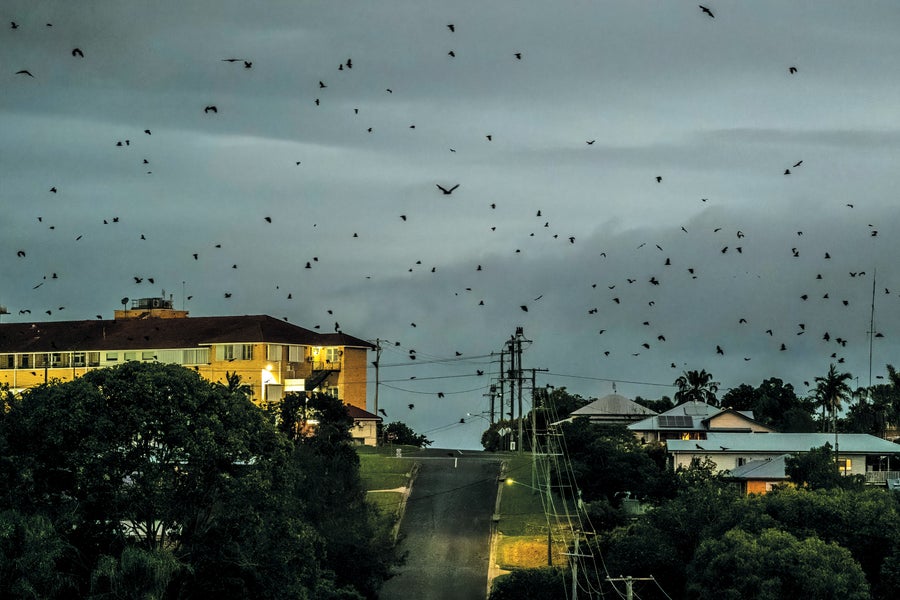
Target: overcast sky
{"x":602,"y":150}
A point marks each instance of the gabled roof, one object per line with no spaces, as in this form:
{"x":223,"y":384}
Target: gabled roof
{"x":359,"y":414}
{"x":772,"y":468}
{"x":160,"y":333}
{"x":612,"y":405}
{"x":742,"y":414}
{"x":689,"y":416}
{"x":781,"y":443}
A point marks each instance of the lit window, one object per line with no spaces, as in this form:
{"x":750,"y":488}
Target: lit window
{"x":273,"y":352}
{"x":295,"y":353}
{"x":844,"y":465}
{"x":333,"y":354}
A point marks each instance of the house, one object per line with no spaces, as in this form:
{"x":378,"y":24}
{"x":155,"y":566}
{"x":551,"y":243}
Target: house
{"x":271,"y":356}
{"x":761,"y":475}
{"x":694,"y":421}
{"x":365,"y":426}
{"x":859,"y":453}
{"x":612,"y":409}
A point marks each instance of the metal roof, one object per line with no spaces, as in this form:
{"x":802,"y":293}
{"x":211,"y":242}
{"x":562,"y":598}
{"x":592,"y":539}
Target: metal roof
{"x":767,"y":468}
{"x":688,"y":416}
{"x":612,"y":404}
{"x":718,"y":443}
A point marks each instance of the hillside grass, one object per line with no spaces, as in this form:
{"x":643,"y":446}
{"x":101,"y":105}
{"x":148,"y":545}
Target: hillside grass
{"x":522,"y":529}
{"x":381,"y":470}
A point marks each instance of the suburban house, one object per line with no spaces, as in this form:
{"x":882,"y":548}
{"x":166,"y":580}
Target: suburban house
{"x":858,"y":453}
{"x":271,"y":356}
{"x":365,"y":430}
{"x":612,"y":409}
{"x":695,"y":421}
{"x":761,"y":475}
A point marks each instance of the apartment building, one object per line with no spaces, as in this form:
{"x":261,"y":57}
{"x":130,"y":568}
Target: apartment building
{"x":270,"y":355}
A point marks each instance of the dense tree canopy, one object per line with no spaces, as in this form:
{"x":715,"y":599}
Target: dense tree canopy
{"x":145,"y":480}
{"x":401,"y":433}
{"x":773,"y":565}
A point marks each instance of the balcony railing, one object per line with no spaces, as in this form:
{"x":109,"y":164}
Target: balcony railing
{"x":881,"y":477}
{"x":326,"y":365}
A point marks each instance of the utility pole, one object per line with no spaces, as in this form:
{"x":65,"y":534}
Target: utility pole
{"x":515,"y":344}
{"x":629,"y":584}
{"x":512,"y":377}
{"x":502,"y":390}
{"x":377,"y":366}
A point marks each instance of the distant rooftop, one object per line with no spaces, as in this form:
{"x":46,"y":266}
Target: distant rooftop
{"x":783,"y":443}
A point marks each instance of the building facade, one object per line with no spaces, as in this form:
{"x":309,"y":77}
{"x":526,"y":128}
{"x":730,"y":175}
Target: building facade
{"x":272,"y":357}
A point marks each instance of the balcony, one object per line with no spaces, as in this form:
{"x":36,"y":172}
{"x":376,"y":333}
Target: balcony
{"x":326,"y":365}
{"x":881,"y":477}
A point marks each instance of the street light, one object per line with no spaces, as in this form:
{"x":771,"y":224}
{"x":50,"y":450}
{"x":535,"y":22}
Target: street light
{"x":511,"y":481}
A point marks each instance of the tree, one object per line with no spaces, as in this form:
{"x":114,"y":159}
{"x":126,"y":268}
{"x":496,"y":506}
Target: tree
{"x":536,"y":584}
{"x":773,"y":403}
{"x":607,"y":461}
{"x":742,"y":397}
{"x":400,"y":433}
{"x":774,"y":565}
{"x":696,"y":386}
{"x":817,"y":469}
{"x":147,"y":477}
{"x":660,"y":406}
{"x":864,"y":520}
{"x":30,"y":549}
{"x":552,"y":405}
{"x":831,"y":390}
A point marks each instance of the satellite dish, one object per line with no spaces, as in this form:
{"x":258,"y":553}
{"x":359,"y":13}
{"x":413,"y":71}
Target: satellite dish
{"x":124,"y":301}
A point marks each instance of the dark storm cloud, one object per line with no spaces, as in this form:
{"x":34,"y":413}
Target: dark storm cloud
{"x":606,"y":98}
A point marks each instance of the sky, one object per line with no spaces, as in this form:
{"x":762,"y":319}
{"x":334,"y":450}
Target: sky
{"x":643,"y":188}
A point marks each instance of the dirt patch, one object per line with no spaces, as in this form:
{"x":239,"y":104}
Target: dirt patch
{"x":527,"y":552}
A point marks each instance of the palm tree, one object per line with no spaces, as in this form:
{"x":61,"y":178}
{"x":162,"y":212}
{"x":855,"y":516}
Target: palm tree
{"x":830,"y":390}
{"x":696,"y":386}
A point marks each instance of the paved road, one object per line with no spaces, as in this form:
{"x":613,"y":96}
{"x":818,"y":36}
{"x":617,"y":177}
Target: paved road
{"x":446,"y":528}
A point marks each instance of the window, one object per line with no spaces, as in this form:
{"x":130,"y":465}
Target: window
{"x":112,"y":356}
{"x":78,"y":359}
{"x":41,"y":361}
{"x":167,"y":356}
{"x":741,"y":461}
{"x":130,"y":356}
{"x":93,"y":359}
{"x":7,"y":361}
{"x":199,"y":356}
{"x":24,"y":361}
{"x":234,"y":352}
{"x":295,"y":353}
{"x":844,"y":465}
{"x":148,"y":355}
{"x":332,"y":391}
{"x":333,"y":354}
{"x":273,"y":352}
